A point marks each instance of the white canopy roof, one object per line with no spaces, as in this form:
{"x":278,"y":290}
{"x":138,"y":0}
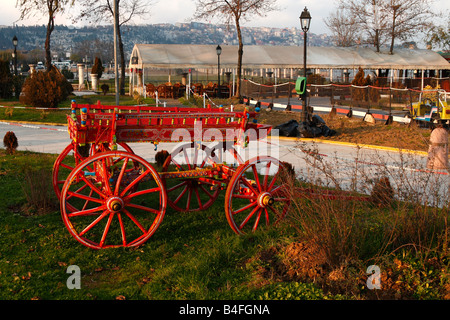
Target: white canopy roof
{"x":173,"y":56}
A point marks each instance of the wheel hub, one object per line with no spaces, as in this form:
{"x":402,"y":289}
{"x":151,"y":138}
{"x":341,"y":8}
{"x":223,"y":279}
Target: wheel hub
{"x":114,"y":204}
{"x":265,"y":199}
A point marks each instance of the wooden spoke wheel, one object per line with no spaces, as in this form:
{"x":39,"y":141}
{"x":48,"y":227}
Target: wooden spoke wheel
{"x":190,"y":193}
{"x":113,"y":199}
{"x":226,"y":153}
{"x":257,"y":194}
{"x":64,"y":164}
{"x":68,"y":159}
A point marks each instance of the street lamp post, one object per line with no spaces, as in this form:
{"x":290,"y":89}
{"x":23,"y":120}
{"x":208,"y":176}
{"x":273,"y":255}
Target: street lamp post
{"x":219,"y":52}
{"x":305,"y":20}
{"x":15,"y":42}
{"x":116,"y":66}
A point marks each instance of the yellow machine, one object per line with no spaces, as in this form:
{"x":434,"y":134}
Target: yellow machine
{"x":432,"y":107}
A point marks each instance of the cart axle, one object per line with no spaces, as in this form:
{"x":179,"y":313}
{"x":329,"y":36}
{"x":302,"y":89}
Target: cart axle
{"x":115,"y":204}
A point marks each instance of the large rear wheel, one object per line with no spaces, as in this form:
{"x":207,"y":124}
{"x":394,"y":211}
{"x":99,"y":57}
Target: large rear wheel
{"x":113,"y":199}
{"x":68,"y":159}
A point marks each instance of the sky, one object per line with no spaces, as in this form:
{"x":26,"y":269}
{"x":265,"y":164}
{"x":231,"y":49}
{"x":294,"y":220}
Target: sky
{"x":183,"y":10}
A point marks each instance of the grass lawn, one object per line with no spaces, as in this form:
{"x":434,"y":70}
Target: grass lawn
{"x":197,"y":255}
{"x":58,"y":115}
{"x":191,"y":255}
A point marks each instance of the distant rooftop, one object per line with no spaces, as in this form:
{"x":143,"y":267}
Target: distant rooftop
{"x":204,"y":56}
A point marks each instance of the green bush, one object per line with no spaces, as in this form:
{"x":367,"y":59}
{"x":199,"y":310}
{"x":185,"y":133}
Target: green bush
{"x":293,"y":291}
{"x":360,"y":94}
{"x":97,"y":68}
{"x":45,"y":89}
{"x":68,"y":74}
{"x":315,"y":79}
{"x":6,"y":80}
{"x":374,"y":93}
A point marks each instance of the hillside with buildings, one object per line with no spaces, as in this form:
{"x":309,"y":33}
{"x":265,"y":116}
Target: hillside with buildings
{"x":87,"y":42}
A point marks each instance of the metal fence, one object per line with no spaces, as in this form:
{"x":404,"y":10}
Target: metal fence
{"x":385,"y":95}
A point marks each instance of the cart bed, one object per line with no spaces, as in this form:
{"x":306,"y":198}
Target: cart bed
{"x":106,"y":124}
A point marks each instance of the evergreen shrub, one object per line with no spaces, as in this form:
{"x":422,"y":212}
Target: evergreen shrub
{"x":6,"y":80}
{"x":97,"y":68}
{"x":45,"y":89}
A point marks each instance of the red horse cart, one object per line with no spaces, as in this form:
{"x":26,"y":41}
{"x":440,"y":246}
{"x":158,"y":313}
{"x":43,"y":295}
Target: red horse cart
{"x":111,"y":197}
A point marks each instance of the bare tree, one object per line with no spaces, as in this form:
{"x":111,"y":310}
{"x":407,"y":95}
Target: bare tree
{"x":51,"y":8}
{"x":440,"y":36}
{"x":343,"y":28}
{"x":408,"y":18}
{"x":234,"y":11}
{"x":386,"y":20}
{"x":103,"y":11}
{"x":367,"y":17}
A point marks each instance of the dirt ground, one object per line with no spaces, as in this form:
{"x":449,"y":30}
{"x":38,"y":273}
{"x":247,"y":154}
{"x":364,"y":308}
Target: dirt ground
{"x":355,"y":130}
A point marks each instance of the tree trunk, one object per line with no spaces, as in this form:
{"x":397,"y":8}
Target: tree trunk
{"x":377,"y":25}
{"x":394,"y":16}
{"x":377,"y":40}
{"x":48,"y":55}
{"x":240,"y":55}
{"x":122,"y":63}
{"x":391,"y":49}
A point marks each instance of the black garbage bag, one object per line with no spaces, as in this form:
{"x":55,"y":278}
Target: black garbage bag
{"x":320,"y":123}
{"x":315,"y":128}
{"x":288,"y":129}
{"x":327,"y":132}
{"x":309,"y":130}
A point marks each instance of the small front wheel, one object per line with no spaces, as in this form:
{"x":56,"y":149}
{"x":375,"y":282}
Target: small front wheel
{"x":258,"y":193}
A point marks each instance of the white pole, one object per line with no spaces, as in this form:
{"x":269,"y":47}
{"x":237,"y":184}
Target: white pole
{"x":422,"y":82}
{"x":234,"y":80}
{"x":80,"y":76}
{"x":144,"y":91}
{"x":189,"y":77}
{"x":132,"y":83}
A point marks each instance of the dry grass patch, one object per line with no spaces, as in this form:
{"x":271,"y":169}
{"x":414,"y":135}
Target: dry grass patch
{"x":355,"y":130}
{"x":396,"y":135}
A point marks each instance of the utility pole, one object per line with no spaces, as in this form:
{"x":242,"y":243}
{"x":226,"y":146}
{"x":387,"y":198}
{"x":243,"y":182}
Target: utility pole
{"x":305,"y":20}
{"x":116,"y":67}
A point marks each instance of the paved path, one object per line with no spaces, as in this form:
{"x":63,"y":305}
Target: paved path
{"x":329,"y":163}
